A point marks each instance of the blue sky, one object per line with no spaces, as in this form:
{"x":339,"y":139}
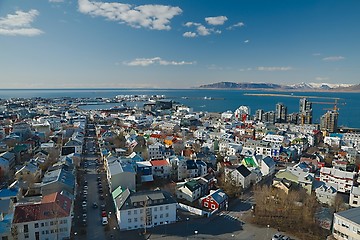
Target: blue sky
{"x":177,"y":43}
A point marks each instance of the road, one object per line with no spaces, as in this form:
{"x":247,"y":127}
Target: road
{"x":90,"y":169}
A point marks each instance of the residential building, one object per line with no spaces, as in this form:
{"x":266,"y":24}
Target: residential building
{"x":326,"y":194}
{"x":216,"y":200}
{"x":354,"y":200}
{"x":48,"y":219}
{"x":156,"y":151}
{"x":161,"y":168}
{"x":56,"y":181}
{"x":144,"y":209}
{"x":341,"y":180}
{"x":240,"y":175}
{"x":305,"y":111}
{"x":120,"y":174}
{"x":189,"y":191}
{"x":267,"y":166}
{"x":346,"y":224}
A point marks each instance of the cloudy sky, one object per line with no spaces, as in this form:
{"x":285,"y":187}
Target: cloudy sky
{"x":177,"y":43}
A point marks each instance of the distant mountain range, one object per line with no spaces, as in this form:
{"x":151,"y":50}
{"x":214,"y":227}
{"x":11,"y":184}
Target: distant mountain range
{"x":279,"y":87}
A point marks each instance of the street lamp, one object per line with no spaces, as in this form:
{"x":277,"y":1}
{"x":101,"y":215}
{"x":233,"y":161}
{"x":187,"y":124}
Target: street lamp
{"x":187,"y":227}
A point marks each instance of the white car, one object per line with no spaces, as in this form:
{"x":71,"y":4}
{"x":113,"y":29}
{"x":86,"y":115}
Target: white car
{"x":84,"y":204}
{"x":104,"y":221}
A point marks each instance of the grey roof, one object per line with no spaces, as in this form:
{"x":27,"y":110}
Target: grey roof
{"x":243,"y":170}
{"x":128,"y":199}
{"x":352,"y":214}
{"x":269,"y":161}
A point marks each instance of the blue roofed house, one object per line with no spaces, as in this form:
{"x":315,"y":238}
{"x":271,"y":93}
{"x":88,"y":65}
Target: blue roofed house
{"x":8,"y":197}
{"x":56,"y":181}
{"x":267,"y":166}
{"x":7,"y":163}
{"x":121,"y":174}
{"x":216,"y":200}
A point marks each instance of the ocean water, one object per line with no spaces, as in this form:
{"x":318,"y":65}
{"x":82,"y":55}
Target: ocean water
{"x":223,"y":100}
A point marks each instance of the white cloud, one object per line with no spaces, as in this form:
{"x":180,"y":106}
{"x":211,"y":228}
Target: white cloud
{"x":219,"y":20}
{"x":272,"y":69}
{"x":148,"y":16}
{"x":333,"y":58}
{"x":18,"y":24}
{"x":201,"y":30}
{"x":143,"y":62}
{"x":190,"y":34}
{"x":321,"y":78}
{"x":246,"y":41}
{"x":236,"y":25}
{"x":56,"y":1}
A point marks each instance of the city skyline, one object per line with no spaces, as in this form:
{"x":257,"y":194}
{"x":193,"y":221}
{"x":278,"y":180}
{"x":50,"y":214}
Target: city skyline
{"x":177,"y":44}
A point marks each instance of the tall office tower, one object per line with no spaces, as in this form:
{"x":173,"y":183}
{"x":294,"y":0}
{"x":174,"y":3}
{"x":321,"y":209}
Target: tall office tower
{"x":329,"y":121}
{"x":292,"y":118}
{"x":305,"y":111}
{"x":259,"y":115}
{"x":280,"y":113}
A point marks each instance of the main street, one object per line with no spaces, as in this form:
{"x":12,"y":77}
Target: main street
{"x":93,"y":195}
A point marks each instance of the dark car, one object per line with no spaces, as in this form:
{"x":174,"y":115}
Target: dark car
{"x":95,"y":205}
{"x":101,"y":197}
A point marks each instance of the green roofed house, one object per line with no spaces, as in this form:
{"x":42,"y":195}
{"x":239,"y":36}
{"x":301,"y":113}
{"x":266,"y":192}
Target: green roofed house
{"x":249,"y":162}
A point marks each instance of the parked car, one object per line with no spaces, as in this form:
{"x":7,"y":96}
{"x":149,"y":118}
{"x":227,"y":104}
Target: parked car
{"x":84,"y":204}
{"x":95,"y":205}
{"x":103,"y":213}
{"x":104,"y":221}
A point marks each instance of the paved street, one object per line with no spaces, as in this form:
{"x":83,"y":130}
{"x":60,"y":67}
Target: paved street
{"x":90,"y":226}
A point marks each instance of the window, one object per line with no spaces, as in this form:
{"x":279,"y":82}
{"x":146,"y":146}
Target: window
{"x":26,"y":235}
{"x":166,"y":215}
{"x":135,"y":219}
{"x":167,"y":207}
{"x":155,"y":216}
{"x":155,"y":209}
{"x":135,"y":211}
{"x":141,"y":211}
{"x":212,"y":206}
{"x":161,"y":215}
{"x":161,"y":208}
{"x":26,"y":228}
{"x":206,"y":204}
{"x":36,"y":225}
{"x":51,"y":223}
{"x":355,"y":202}
{"x":129,"y":220}
{"x":47,"y":231}
{"x":65,"y":221}
{"x":129,"y":212}
{"x":42,"y":224}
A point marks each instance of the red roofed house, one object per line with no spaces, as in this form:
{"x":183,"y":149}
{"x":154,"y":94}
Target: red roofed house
{"x":161,"y":168}
{"x":48,"y":219}
{"x":216,"y":200}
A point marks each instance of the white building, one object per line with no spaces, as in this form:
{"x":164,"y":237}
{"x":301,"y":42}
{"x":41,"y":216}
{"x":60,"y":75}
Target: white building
{"x":150,"y":208}
{"x":326,"y":194}
{"x":156,"y":151}
{"x":46,"y":220}
{"x":341,"y":180}
{"x":354,"y":199}
{"x":267,"y":166}
{"x":346,"y":224}
{"x":121,"y":174}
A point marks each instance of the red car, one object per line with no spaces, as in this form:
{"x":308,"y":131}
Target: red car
{"x":103,"y":213}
